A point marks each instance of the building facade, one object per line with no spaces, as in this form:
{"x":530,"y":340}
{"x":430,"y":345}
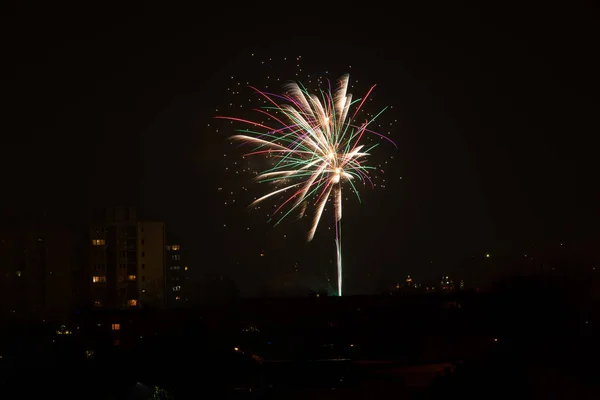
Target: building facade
{"x":127,"y":261}
{"x":177,"y":275}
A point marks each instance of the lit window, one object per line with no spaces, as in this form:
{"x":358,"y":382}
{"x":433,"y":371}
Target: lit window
{"x":131,"y":277}
{"x":175,"y":247}
{"x":99,"y":279}
{"x":132,"y":303}
{"x":177,"y":297}
{"x":116,"y":327}
{"x":97,"y":303}
{"x":98,"y":242}
{"x":185,"y":268}
{"x":176,"y":288}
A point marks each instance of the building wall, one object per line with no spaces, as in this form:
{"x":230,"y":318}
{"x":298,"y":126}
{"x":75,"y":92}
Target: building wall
{"x":127,"y":262}
{"x":61,"y":262}
{"x":36,"y":268}
{"x":23,"y":263}
{"x":151,"y":253}
{"x":176,"y":273}
{"x":102,"y":252}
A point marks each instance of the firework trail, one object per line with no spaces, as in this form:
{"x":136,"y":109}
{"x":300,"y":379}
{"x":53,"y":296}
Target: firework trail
{"x":316,"y":148}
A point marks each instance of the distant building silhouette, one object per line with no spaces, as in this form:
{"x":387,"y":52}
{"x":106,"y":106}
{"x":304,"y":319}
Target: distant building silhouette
{"x":37,"y":271}
{"x":446,"y":283}
{"x":408,"y":286}
{"x":127,"y":260}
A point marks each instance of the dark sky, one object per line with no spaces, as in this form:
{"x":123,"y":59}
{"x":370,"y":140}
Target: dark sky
{"x":497,"y":110}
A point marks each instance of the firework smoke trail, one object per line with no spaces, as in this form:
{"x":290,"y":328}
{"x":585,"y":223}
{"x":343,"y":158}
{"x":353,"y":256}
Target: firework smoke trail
{"x":316,"y":147}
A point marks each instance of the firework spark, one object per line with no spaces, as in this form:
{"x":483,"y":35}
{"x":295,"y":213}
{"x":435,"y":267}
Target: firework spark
{"x":316,"y":150}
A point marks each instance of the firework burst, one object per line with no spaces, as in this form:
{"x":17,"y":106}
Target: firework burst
{"x":316,"y":151}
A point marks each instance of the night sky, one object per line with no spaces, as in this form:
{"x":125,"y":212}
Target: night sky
{"x":496,"y":115}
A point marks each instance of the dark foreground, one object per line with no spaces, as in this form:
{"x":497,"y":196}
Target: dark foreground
{"x":423,"y":347}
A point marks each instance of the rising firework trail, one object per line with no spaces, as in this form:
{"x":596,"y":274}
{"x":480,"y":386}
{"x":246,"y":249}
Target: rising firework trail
{"x":316,"y":148}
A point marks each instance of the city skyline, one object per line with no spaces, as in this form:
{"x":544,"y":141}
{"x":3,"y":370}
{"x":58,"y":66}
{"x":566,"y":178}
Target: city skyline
{"x":492,"y":136}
